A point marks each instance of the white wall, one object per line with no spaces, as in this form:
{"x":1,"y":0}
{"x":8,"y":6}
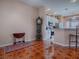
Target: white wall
{"x":15,"y":16}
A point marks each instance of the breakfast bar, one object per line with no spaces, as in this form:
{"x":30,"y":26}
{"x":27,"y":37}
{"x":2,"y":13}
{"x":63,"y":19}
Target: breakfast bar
{"x":62,"y":36}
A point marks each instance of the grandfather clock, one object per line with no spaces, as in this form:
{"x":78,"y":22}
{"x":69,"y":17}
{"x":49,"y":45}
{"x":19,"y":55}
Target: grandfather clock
{"x":39,"y":28}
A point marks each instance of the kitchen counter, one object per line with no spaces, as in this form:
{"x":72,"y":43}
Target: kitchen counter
{"x":61,"y":36}
{"x":65,"y":29}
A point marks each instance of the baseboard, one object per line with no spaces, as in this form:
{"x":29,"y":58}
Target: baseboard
{"x":6,"y":44}
{"x":61,"y":44}
{"x":64,"y":45}
{"x":12,"y":43}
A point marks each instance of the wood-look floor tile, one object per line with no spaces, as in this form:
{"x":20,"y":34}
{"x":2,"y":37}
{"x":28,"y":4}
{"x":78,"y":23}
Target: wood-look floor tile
{"x":37,"y":50}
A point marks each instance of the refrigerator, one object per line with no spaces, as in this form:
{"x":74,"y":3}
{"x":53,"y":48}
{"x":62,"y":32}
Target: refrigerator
{"x":48,"y":30}
{"x":48,"y":34}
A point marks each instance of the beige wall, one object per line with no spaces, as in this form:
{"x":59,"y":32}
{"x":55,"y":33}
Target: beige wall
{"x":16,"y":16}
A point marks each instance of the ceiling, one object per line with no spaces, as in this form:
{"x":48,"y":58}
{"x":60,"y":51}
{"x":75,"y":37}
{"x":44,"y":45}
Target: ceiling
{"x":62,"y":7}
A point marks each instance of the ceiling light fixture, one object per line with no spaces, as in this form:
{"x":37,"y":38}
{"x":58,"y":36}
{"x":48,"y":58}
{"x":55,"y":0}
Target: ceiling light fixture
{"x":48,"y":9}
{"x":55,"y":13}
{"x":73,"y":1}
{"x":66,"y":9}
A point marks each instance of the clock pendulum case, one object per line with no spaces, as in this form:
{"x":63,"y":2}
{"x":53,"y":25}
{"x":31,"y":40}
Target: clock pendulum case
{"x":39,"y":28}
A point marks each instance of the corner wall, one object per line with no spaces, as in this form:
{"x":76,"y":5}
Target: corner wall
{"x":15,"y":16}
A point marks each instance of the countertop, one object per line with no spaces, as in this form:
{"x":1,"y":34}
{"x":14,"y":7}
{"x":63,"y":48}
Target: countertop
{"x":64,"y":28}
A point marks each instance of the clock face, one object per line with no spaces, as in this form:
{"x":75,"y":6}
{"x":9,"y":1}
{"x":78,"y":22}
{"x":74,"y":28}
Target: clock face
{"x":39,"y":21}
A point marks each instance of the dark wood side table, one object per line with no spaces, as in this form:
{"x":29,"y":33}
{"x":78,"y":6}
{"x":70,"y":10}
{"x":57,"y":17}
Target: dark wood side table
{"x":18,"y":36}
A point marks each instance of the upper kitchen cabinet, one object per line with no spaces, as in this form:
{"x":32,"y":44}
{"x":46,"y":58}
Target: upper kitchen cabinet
{"x":72,"y":22}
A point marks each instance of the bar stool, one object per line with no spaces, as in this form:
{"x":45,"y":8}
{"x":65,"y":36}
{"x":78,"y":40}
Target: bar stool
{"x":70,"y":39}
{"x":76,"y":37}
{"x":18,"y":36}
